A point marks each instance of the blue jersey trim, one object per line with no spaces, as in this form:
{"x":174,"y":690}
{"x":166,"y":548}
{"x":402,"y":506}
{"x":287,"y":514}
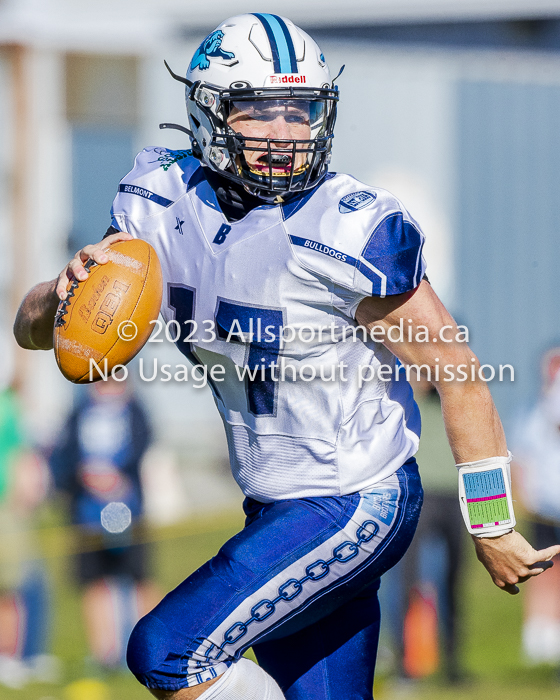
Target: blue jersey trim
{"x":296,"y":202}
{"x":147,"y":194}
{"x":114,"y":222}
{"x":375,"y":278}
{"x":395,"y":249}
{"x":196,"y":178}
{"x":281,"y":44}
{"x":324,"y":249}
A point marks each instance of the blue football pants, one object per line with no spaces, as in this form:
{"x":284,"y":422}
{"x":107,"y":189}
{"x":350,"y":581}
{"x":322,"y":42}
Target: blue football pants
{"x":298,"y":584}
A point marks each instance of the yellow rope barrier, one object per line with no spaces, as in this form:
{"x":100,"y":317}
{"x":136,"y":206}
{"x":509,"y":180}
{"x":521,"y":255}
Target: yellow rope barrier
{"x":66,"y":540}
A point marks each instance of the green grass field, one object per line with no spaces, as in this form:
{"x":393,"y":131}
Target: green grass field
{"x":491,"y":646}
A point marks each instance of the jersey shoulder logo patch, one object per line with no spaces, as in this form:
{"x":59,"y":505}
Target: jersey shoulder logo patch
{"x":355,"y":201}
{"x":211,"y":47}
{"x":166,"y":158}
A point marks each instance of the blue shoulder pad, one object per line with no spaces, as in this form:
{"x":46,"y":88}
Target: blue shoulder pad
{"x":394,"y":249}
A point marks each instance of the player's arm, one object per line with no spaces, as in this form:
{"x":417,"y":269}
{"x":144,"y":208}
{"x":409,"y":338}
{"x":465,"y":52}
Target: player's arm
{"x":33,"y":326}
{"x":472,"y":423}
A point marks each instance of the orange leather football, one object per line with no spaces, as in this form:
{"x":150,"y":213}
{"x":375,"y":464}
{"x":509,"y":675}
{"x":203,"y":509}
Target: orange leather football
{"x":91,"y":324}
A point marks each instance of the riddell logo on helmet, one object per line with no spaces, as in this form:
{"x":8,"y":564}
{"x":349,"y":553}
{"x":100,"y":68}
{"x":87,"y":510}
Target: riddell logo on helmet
{"x":292,"y":78}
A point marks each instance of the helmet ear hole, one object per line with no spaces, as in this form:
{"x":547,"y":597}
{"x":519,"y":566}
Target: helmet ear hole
{"x":195,"y":120}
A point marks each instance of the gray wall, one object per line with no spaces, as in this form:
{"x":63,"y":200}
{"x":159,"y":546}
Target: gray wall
{"x":508,"y":242}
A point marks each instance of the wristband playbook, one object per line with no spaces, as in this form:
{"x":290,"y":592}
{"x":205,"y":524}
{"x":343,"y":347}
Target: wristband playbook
{"x":485,"y":496}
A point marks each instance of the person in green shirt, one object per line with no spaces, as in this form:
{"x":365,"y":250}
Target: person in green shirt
{"x":10,"y":437}
{"x":23,"y":587}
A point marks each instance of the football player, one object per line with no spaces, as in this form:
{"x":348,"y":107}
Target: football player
{"x":277,"y":261}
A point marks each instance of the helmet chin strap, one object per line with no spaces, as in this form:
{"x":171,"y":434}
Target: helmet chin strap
{"x":270,"y":198}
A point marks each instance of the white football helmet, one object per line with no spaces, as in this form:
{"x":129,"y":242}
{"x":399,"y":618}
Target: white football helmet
{"x":259,"y":62}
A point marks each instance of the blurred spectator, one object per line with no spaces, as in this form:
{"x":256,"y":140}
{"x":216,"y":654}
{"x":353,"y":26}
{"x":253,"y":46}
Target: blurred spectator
{"x":97,"y":463}
{"x":537,"y":472}
{"x":421,"y":592}
{"x":23,"y":588}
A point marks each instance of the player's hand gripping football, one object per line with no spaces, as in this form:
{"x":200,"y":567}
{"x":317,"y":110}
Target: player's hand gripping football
{"x":75,"y":268}
{"x":510,"y":559}
{"x":33,"y":325}
{"x":107,"y":310}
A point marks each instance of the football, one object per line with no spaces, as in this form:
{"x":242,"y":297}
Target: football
{"x":106,"y":318}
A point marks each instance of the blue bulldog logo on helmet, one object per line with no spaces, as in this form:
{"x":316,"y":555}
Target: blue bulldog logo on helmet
{"x":211,"y":47}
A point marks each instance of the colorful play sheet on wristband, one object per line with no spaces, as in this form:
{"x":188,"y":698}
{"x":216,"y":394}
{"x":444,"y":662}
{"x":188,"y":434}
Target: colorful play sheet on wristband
{"x":486,"y":496}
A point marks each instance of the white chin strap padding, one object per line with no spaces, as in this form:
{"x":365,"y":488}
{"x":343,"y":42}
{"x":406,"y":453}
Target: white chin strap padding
{"x":244,"y":680}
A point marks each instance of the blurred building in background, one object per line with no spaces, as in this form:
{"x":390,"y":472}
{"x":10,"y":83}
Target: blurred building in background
{"x":451,"y":106}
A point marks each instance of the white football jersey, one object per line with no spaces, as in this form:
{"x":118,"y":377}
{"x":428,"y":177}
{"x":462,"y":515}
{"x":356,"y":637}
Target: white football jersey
{"x":297,"y":421}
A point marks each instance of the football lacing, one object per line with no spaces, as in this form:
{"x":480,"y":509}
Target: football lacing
{"x":63,"y":305}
